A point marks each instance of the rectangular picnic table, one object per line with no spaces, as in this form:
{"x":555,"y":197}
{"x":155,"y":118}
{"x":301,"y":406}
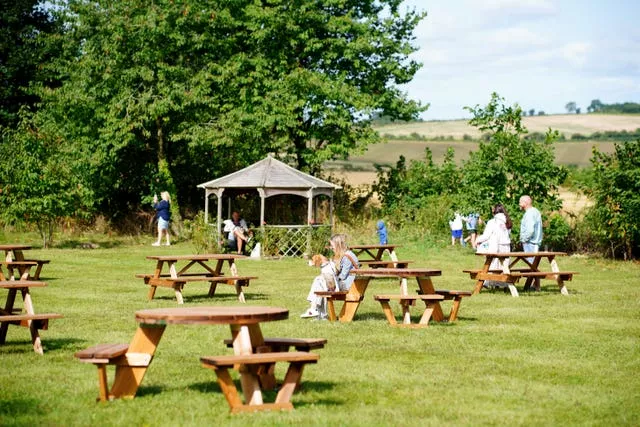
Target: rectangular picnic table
{"x":14,"y":261}
{"x":11,"y":315}
{"x":374,"y":252}
{"x":133,"y":360}
{"x":175,"y":278}
{"x":531,"y":270}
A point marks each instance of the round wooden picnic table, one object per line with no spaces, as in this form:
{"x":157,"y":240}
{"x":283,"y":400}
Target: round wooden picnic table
{"x":245,"y":315}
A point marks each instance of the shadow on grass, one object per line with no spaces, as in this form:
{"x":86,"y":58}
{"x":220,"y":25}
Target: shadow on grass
{"x":14,"y":407}
{"x":270,"y":395}
{"x":79,"y":244}
{"x":216,"y":297}
{"x":48,"y":345}
{"x":151,"y":390}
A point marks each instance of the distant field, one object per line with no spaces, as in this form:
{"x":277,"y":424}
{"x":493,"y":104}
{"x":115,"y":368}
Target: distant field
{"x":566,"y":124}
{"x":567,"y":153}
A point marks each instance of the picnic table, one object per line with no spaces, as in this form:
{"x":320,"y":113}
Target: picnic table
{"x":426,"y":292}
{"x":167,"y":274}
{"x":11,"y":315}
{"x":355,"y":295}
{"x":14,"y":261}
{"x":374,"y":252}
{"x":133,"y":360}
{"x":532,"y":269}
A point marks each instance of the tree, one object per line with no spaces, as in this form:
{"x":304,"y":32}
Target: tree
{"x":570,"y":107}
{"x":595,"y":106}
{"x":532,"y":112}
{"x":38,"y":184}
{"x":509,"y":165}
{"x":164,"y":94}
{"x":21,"y":55}
{"x":615,"y":190}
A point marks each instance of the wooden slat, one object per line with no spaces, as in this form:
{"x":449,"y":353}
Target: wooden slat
{"x":102,"y":351}
{"x":14,"y":284}
{"x":259,"y":358}
{"x":301,"y":344}
{"x":408,"y":297}
{"x":20,"y":317}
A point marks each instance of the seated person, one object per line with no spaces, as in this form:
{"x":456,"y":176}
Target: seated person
{"x":238,"y":233}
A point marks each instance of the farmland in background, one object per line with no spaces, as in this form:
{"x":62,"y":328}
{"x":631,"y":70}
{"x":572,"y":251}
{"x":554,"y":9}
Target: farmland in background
{"x":447,"y":134}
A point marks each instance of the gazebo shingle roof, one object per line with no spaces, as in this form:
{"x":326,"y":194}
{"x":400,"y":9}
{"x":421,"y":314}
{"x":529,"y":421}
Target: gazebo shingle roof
{"x":269,"y":173}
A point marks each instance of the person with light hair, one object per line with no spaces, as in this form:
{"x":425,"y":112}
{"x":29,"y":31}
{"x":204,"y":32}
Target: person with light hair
{"x":163,"y":213}
{"x":344,"y":260}
{"x":530,"y":230}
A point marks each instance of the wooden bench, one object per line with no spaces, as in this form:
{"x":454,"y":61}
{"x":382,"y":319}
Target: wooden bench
{"x":514,"y":276}
{"x":385,"y":264}
{"x":332,"y":296}
{"x":177,"y":283}
{"x":102,"y":355}
{"x":253,"y":364}
{"x":456,"y":296}
{"x":40,"y":320}
{"x":407,"y":301}
{"x":275,"y":344}
{"x":40,"y":263}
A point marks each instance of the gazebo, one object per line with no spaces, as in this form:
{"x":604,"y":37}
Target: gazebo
{"x":271,"y":177}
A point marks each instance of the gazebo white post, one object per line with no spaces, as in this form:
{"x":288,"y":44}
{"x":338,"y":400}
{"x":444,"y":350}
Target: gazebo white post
{"x":207,"y":193}
{"x":309,"y":219}
{"x":262,"y":197}
{"x":331,"y":211}
{"x":219,"y":223}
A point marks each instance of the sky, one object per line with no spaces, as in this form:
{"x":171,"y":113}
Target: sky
{"x":540,"y":54}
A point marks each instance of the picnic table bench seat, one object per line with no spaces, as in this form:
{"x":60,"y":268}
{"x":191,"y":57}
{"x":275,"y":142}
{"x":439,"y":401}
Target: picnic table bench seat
{"x":102,"y":355}
{"x":13,"y":284}
{"x":283,"y":344}
{"x":40,"y":320}
{"x":407,"y":301}
{"x":177,"y":283}
{"x":259,"y":362}
{"x":332,"y":296}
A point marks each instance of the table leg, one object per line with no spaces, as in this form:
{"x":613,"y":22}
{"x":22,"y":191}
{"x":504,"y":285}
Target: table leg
{"x":28,"y":308}
{"x":386,"y":308}
{"x":426,"y":288}
{"x":8,"y":308}
{"x":243,"y":337}
{"x":393,"y":255}
{"x":428,"y":312}
{"x":353,"y":299}
{"x":480,"y":276}
{"x":404,"y":286}
{"x":131,"y":369}
{"x":406,"y":313}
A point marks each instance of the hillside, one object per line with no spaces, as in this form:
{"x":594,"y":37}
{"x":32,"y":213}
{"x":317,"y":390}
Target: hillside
{"x":567,"y":124}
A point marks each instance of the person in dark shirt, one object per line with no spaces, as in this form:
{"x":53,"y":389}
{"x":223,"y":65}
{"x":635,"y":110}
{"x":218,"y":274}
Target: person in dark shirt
{"x":163,"y":213}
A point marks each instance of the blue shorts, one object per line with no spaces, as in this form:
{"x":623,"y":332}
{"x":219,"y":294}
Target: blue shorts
{"x":456,"y":234}
{"x":163,"y":224}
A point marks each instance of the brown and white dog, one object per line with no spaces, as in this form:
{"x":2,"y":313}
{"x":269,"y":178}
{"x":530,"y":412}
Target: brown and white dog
{"x":327,"y":269}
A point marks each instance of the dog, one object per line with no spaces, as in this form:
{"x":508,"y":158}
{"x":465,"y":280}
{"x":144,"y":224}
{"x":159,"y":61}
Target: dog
{"x":327,"y":270}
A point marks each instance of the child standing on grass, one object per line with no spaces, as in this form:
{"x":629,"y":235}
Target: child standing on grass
{"x":381,"y":229}
{"x":456,"y":229}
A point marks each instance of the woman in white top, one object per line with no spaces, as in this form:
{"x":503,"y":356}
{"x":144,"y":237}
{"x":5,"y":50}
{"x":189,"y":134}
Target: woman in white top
{"x":496,"y":238}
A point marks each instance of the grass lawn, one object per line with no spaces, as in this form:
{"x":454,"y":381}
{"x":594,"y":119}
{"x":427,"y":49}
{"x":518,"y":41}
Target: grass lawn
{"x":541,"y":359}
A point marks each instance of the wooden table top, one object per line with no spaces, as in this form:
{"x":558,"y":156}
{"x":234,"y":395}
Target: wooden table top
{"x":373,"y":246}
{"x":522,"y":254}
{"x":14,"y":247}
{"x":245,"y":315}
{"x":197,"y":257}
{"x":396,"y":272}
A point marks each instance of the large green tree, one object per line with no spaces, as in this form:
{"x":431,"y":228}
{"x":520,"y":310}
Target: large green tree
{"x":21,"y":55}
{"x":615,"y":214}
{"x":165,"y":94}
{"x":509,"y":165}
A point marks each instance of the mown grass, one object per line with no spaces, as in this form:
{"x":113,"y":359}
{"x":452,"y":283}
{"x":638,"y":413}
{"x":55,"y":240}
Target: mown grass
{"x":541,"y":359}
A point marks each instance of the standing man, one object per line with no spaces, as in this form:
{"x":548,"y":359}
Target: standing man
{"x":530,"y":230}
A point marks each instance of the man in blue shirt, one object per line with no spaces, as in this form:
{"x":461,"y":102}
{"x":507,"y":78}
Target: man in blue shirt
{"x":530,"y":230}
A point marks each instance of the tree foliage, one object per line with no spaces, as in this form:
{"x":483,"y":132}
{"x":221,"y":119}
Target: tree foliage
{"x":615,"y":190}
{"x":38,"y":185}
{"x":22,"y":55}
{"x":510,"y":165}
{"x":165,"y":95}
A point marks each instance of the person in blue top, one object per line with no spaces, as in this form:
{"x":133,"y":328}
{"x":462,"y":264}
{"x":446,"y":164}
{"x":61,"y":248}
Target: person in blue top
{"x":530,"y":230}
{"x":381,"y":229}
{"x":163,"y":213}
{"x":472,"y":220}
